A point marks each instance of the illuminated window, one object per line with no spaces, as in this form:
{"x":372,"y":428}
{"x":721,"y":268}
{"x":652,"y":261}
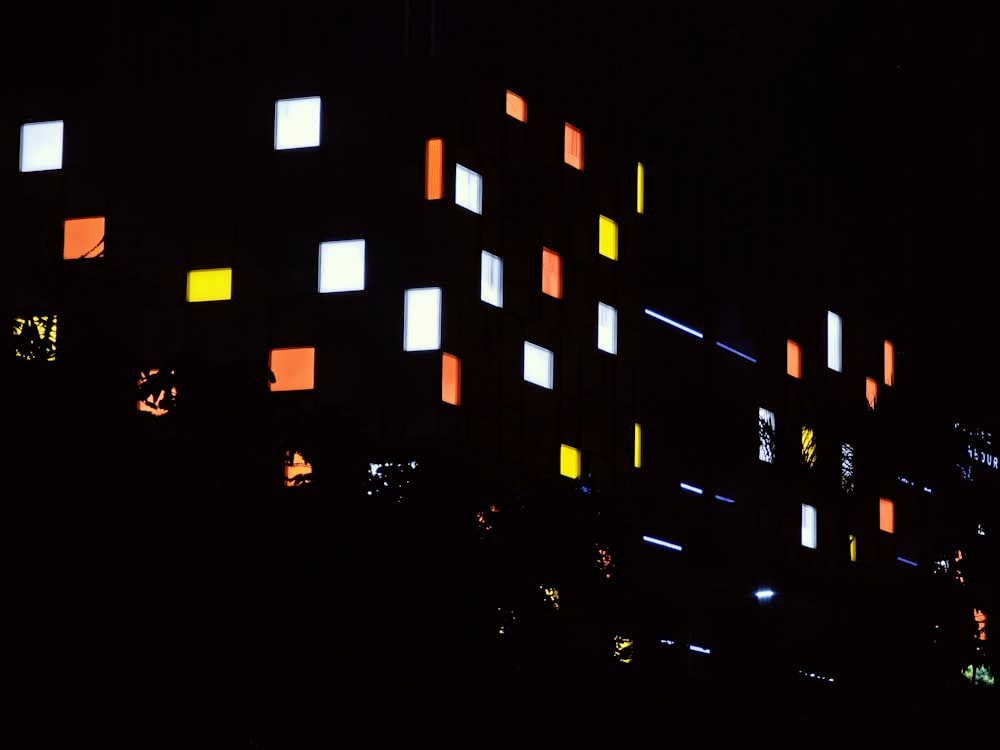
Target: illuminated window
{"x":889,"y":365}
{"x":434,"y":169}
{"x":808,"y":446}
{"x":538,"y":365}
{"x":808,"y":526}
{"x":41,"y":146}
{"x":607,"y":328}
{"x":157,"y":392}
{"x":83,"y":238}
{"x":640,"y":188}
{"x":209,"y":285}
{"x":637,"y":447}
{"x":35,"y":338}
{"x":624,"y":649}
{"x":551,"y":273}
{"x":847,"y":467}
{"x":569,"y":461}
{"x":886,"y":515}
{"x":765,"y":430}
{"x":342,"y":266}
{"x":871,"y":392}
{"x":298,"y":471}
{"x":296,"y":123}
{"x":491,"y":279}
{"x":468,"y":189}
{"x":517,"y":107}
{"x":293,"y":368}
{"x":833,"y":341}
{"x":573,"y":147}
{"x":551,"y":594}
{"x":422,"y":319}
{"x":794,"y":359}
{"x":451,"y":379}
{"x":607,"y":238}
{"x":852,"y":541}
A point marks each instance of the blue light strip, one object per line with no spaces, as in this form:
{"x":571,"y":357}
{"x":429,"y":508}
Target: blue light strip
{"x":691,"y":488}
{"x":660,"y":542}
{"x":674,"y":323}
{"x":908,"y":562}
{"x":724,"y":499}
{"x":737,"y":353}
{"x":699,"y":649}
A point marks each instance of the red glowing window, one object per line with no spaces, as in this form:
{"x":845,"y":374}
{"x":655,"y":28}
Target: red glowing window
{"x":293,"y":368}
{"x":434,"y":168}
{"x":573,"y":147}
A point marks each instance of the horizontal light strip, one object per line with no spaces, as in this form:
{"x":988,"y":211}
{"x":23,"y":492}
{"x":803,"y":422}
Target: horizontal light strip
{"x":691,"y":488}
{"x":724,"y":499}
{"x":764,"y":593}
{"x":660,"y":542}
{"x":669,"y":643}
{"x":674,"y":323}
{"x":908,"y":562}
{"x":736,"y":352}
{"x":700,"y":649}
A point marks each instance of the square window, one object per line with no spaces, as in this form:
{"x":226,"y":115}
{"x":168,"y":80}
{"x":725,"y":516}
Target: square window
{"x":607,"y":238}
{"x":794,"y":359}
{"x":83,"y":238}
{"x":422,"y":319}
{"x":342,"y":266}
{"x":296,"y":123}
{"x":434,"y":169}
{"x":607,"y":328}
{"x":468,"y":189}
{"x":35,"y":338}
{"x":886,"y":515}
{"x":41,"y":146}
{"x":517,"y":107}
{"x":808,"y":526}
{"x":889,"y":366}
{"x":451,"y":379}
{"x":210,"y":284}
{"x":538,"y":365}
{"x":491,"y":280}
{"x":833,"y":341}
{"x":871,"y":392}
{"x":569,"y":461}
{"x":293,"y":368}
{"x":765,"y":430}
{"x":551,"y":273}
{"x":573,"y":146}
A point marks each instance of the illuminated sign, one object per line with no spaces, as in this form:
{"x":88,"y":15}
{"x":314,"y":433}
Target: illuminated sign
{"x":979,"y":449}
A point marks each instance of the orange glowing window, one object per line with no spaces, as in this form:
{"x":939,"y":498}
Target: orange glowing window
{"x":156,"y":394}
{"x":451,"y":379}
{"x":794,"y":357}
{"x":886,"y":515}
{"x":298,"y":471}
{"x":293,"y":368}
{"x":573,"y":147}
{"x":517,"y":107}
{"x":434,"y":177}
{"x":980,"y":617}
{"x":83,"y":238}
{"x":871,"y":392}
{"x":890,"y":363}
{"x":551,"y":273}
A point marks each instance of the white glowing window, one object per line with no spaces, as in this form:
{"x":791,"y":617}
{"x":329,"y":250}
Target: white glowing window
{"x":468,"y":189}
{"x":808,"y":526}
{"x":342,"y":266}
{"x":833,"y":341}
{"x":296,"y":123}
{"x":41,"y":146}
{"x":538,"y":365}
{"x":491,"y":280}
{"x":765,"y":433}
{"x":607,"y":328}
{"x":422,"y":319}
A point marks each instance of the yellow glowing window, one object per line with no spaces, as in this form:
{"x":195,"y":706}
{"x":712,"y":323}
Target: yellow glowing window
{"x":569,"y":461}
{"x":35,"y":338}
{"x":886,"y":515}
{"x":573,"y":146}
{"x":637,"y":447}
{"x":517,"y":107}
{"x":434,"y":170}
{"x":624,"y":649}
{"x":809,"y":446}
{"x":551,"y":273}
{"x":83,"y":238}
{"x":298,"y":471}
{"x":640,"y":188}
{"x":293,"y":368}
{"x":451,"y":379}
{"x":794,"y":359}
{"x":607,"y":238}
{"x":210,"y":285}
{"x":853,"y":542}
{"x":871,"y":392}
{"x":889,"y":367}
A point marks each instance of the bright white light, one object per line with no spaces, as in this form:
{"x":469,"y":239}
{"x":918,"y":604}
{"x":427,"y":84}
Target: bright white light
{"x":41,"y":146}
{"x":724,"y":499}
{"x":538,"y":365}
{"x":661,"y":543}
{"x":607,"y":328}
{"x":422,"y":319}
{"x":296,"y":123}
{"x":342,"y":266}
{"x":691,"y":488}
{"x":808,"y":526}
{"x":736,"y":352}
{"x":674,"y":323}
{"x":833,"y":341}
{"x":468,"y":189}
{"x":700,"y":649}
{"x":491,"y":280}
{"x":763,"y":594}
{"x":669,"y":643}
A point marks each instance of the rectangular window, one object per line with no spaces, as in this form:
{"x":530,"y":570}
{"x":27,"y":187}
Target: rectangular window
{"x":434,"y":169}
{"x":847,"y":467}
{"x":293,"y":368}
{"x":808,"y":526}
{"x":83,"y":238}
{"x":833,"y":341}
{"x":210,"y":285}
{"x":637,"y":447}
{"x":886,"y":515}
{"x":296,"y":123}
{"x":468,"y":189}
{"x":538,"y":365}
{"x":640,"y":188}
{"x":607,"y":238}
{"x":573,"y":146}
{"x":853,"y":542}
{"x":551,"y":273}
{"x":607,"y":328}
{"x":517,"y":107}
{"x":889,"y":365}
{"x":342,"y":266}
{"x":41,"y":146}
{"x":35,"y":337}
{"x":808,"y":446}
{"x":422,"y":319}
{"x":765,"y":429}
{"x":451,"y":379}
{"x":491,"y":279}
{"x":871,"y":392}
{"x":298,"y":471}
{"x":794,"y":359}
{"x":569,"y":461}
